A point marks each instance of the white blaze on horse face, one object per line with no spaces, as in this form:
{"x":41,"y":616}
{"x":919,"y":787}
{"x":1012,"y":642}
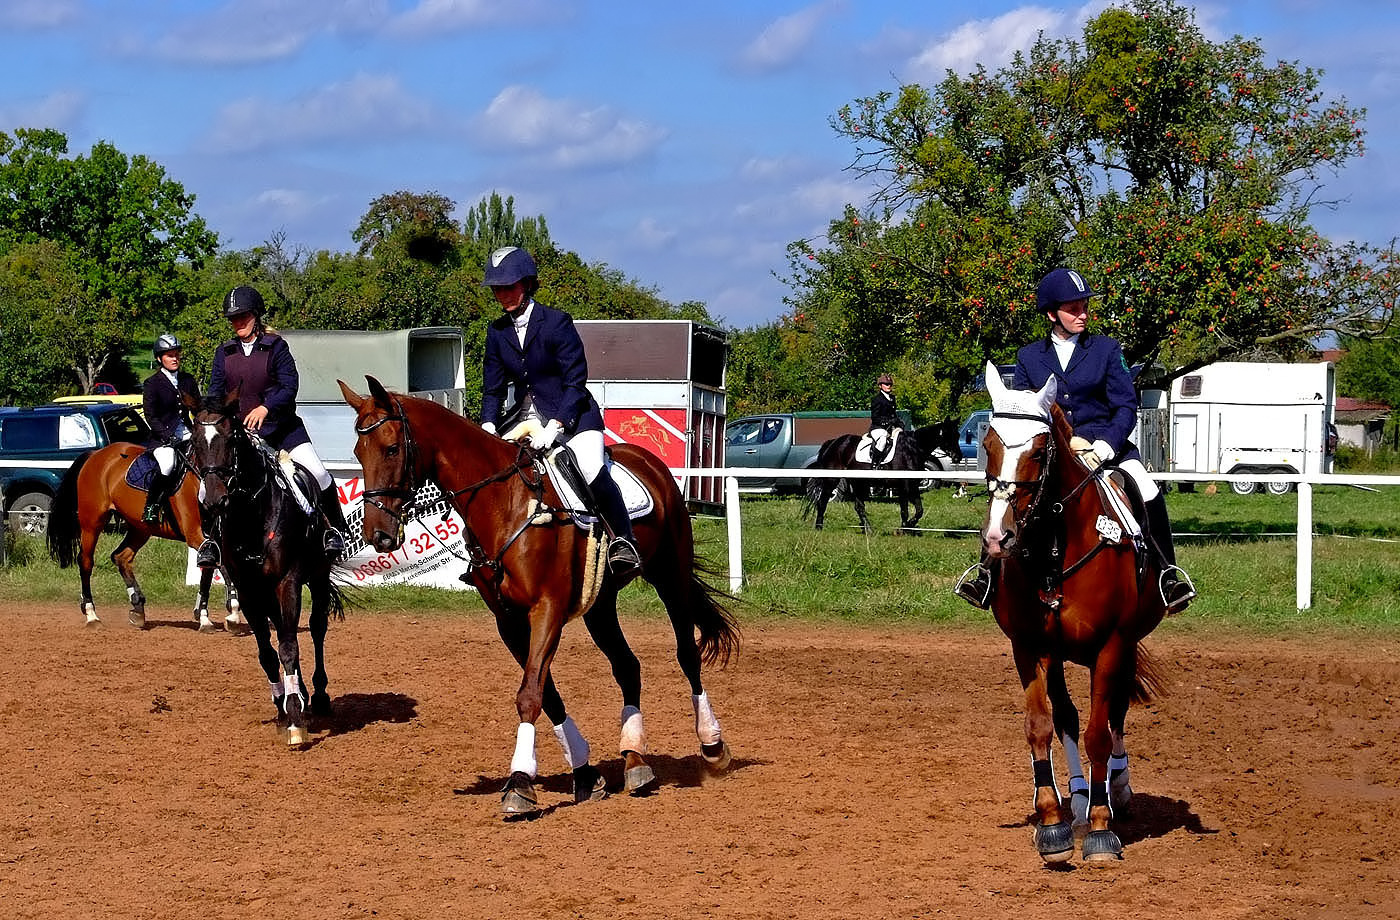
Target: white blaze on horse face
{"x":1017,"y":420}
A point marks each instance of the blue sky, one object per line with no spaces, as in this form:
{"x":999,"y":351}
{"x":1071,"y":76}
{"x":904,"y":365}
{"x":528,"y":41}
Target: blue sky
{"x":683,"y":144}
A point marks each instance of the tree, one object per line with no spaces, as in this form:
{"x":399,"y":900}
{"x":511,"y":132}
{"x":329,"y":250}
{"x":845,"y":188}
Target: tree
{"x":414,"y":225}
{"x":1177,"y":173}
{"x":130,"y":231}
{"x":493,"y":224}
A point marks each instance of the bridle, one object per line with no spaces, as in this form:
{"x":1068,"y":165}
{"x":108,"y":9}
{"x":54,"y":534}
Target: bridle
{"x":408,"y":492}
{"x":227,"y":473}
{"x":1005,"y":489}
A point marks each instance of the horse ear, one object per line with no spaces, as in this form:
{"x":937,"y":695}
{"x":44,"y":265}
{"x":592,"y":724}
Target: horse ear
{"x":381,"y":395}
{"x":995,"y":387}
{"x":355,"y":400}
{"x":231,"y":398}
{"x":188,"y":401}
{"x":1045,"y":396}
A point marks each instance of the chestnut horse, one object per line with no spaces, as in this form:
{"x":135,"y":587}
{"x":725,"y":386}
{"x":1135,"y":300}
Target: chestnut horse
{"x":93,"y":490}
{"x":271,"y":545}
{"x":528,"y":561}
{"x":1070,"y":584}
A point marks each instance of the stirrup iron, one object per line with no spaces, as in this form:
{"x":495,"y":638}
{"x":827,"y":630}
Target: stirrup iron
{"x":1182,"y":580}
{"x":969,"y":590}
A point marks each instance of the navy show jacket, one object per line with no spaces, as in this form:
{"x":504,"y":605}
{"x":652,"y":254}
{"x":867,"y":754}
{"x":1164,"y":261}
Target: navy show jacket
{"x":1095,"y":391}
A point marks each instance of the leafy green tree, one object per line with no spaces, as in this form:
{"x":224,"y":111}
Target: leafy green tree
{"x":414,"y":225}
{"x":492,"y":224}
{"x":1178,"y":173}
{"x":131,"y":232}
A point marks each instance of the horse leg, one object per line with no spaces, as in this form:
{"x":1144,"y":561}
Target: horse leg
{"x":321,"y":600}
{"x":267,"y":655}
{"x":824,"y":489}
{"x":1054,"y":839}
{"x":858,"y":493}
{"x":1067,"y":728}
{"x":680,"y":597}
{"x":288,"y":606}
{"x":122,"y":556}
{"x":234,"y":621}
{"x":201,"y":603}
{"x":916,"y":498}
{"x":1120,"y":790}
{"x":518,"y":798}
{"x":637,"y":775}
{"x":1101,"y":844}
{"x":87,"y":548}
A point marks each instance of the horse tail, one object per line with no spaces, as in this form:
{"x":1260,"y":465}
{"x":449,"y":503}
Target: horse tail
{"x":1149,"y":678}
{"x":719,"y":630}
{"x":64,"y":529}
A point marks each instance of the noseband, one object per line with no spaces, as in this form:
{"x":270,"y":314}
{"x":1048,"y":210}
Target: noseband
{"x":1004,"y":489}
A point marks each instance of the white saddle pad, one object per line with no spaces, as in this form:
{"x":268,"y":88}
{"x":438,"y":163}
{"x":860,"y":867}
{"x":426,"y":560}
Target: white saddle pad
{"x":867,"y":444}
{"x":634,"y":494}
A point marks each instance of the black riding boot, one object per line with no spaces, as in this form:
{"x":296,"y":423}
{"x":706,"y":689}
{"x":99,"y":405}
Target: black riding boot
{"x":159,"y":491}
{"x":336,"y":527}
{"x":1177,"y":590}
{"x":975,"y":585}
{"x":623,"y":557}
{"x":209,"y":556}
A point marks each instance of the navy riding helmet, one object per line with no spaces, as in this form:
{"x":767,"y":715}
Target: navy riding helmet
{"x":244,"y":299}
{"x":508,"y":265}
{"x":1062,"y":286}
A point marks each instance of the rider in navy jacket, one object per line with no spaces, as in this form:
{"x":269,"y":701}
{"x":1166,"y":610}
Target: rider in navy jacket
{"x":1095,"y":391}
{"x":161,"y":402}
{"x":536,"y":352}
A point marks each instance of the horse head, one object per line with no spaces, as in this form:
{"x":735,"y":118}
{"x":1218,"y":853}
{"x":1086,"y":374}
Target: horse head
{"x":1020,"y":454}
{"x":217,"y":434}
{"x":388,"y":455}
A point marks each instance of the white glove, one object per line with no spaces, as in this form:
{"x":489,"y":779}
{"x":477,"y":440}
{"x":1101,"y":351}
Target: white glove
{"x":1105,"y":453}
{"x":488,"y":427}
{"x":545,"y":438}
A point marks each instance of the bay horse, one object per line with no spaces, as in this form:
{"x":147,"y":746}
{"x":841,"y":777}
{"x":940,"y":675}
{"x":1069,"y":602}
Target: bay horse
{"x":529,"y":562}
{"x":928,"y":448}
{"x":94,"y":490}
{"x":1070,"y":584}
{"x":270,"y":544}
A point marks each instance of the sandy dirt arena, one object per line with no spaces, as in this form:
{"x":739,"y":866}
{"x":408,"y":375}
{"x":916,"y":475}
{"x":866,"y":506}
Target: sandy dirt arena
{"x":877,"y":774}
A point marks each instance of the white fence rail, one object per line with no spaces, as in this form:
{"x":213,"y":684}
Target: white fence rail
{"x":1304,"y":483}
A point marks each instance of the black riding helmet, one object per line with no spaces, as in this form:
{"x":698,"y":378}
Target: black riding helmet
{"x":244,"y":299}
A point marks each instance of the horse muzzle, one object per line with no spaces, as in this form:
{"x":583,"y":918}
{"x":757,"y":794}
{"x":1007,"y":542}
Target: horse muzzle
{"x":385,"y":542}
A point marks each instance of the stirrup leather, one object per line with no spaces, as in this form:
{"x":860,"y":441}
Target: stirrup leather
{"x":1181,"y":580}
{"x":975,"y":585}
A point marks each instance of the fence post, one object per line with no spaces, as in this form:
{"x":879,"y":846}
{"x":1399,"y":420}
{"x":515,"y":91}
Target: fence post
{"x":736,"y":534}
{"x":1305,"y":547}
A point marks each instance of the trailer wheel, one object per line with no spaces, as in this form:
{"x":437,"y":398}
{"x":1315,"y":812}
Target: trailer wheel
{"x":1279,"y":488}
{"x":1244,"y":488}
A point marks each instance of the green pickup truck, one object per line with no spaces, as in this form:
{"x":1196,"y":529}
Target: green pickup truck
{"x":786,"y":440}
{"x":54,"y":433}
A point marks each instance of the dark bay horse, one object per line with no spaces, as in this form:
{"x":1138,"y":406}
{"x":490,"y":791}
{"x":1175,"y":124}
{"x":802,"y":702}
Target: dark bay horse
{"x":931,"y":447}
{"x":530,"y":563}
{"x":93,"y":490}
{"x":1070,"y":585}
{"x":271,"y":546}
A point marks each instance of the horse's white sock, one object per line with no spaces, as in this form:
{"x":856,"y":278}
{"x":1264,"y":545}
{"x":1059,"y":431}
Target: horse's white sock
{"x":277,"y":691}
{"x":572,"y":741}
{"x":524,"y":759}
{"x":633,"y":735}
{"x":706,"y":725}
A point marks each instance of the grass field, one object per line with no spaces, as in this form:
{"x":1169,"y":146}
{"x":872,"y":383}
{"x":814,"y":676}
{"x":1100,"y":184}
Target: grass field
{"x":1239,"y":549}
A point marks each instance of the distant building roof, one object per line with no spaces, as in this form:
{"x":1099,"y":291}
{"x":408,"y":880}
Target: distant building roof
{"x":1353,"y":411}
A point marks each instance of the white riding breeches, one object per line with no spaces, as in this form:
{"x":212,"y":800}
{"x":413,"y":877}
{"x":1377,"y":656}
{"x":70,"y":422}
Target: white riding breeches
{"x":879,"y":439}
{"x":165,"y":459}
{"x":1141,"y":479}
{"x":306,"y":456}
{"x":587,"y":448}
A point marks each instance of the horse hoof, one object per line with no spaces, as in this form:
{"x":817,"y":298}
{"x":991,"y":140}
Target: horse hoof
{"x":236,"y":626}
{"x":321,"y":705}
{"x":1102,"y":846}
{"x":92,"y":622}
{"x":717,"y":756}
{"x":1079,"y":807}
{"x":639,"y":780}
{"x":589,"y":785}
{"x":297,"y":736}
{"x":518,"y":799}
{"x":137,"y":618}
{"x":1054,"y":842}
{"x":207,"y":626}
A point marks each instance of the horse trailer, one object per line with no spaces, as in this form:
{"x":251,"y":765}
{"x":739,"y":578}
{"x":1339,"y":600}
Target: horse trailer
{"x":1237,"y":417}
{"x":660,"y":384}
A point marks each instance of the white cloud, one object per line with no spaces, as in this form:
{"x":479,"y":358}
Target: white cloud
{"x":434,"y":17}
{"x":993,"y":42}
{"x":785,"y":38}
{"x":60,"y":110}
{"x":285,"y":204}
{"x":563,"y":132}
{"x":250,"y":31}
{"x":762,"y":169}
{"x":39,"y":14}
{"x":649,"y":234}
{"x":365,"y":106}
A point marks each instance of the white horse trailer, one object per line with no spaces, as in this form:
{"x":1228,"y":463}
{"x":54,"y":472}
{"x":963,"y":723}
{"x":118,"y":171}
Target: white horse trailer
{"x":1237,"y":417}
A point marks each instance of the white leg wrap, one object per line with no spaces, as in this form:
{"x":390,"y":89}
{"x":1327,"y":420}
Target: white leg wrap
{"x":706,"y":725}
{"x":292,"y":683}
{"x":524,"y":759}
{"x":634,"y":737}
{"x":277,"y":691}
{"x":131,"y":594}
{"x":573,"y":743}
{"x":1073,"y":761}
{"x":1117,"y":762}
